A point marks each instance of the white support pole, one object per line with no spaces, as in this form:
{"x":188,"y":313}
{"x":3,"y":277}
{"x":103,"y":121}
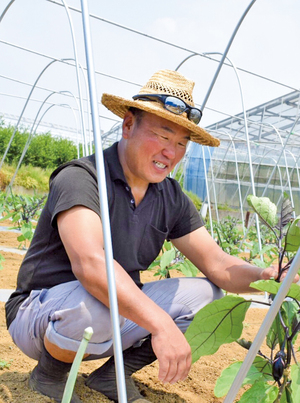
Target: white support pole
{"x":104,"y":209}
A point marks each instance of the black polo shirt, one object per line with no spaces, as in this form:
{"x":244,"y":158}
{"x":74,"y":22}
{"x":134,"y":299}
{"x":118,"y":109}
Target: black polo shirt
{"x":138,"y":232}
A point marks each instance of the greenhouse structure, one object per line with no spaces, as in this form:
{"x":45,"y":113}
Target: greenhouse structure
{"x":259,"y":152}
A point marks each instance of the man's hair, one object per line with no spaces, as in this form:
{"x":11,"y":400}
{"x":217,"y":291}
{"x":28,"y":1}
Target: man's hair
{"x":137,"y":113}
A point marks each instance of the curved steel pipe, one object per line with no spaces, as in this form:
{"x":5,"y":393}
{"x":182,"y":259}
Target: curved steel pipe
{"x":23,"y":110}
{"x":77,"y":75}
{"x":33,"y":131}
{"x":225,"y":54}
{"x":5,"y":10}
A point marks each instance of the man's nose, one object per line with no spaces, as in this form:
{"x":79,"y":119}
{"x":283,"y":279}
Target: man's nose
{"x":169,"y":151}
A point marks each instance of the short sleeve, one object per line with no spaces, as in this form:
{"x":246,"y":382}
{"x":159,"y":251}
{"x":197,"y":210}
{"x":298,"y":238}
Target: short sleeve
{"x":73,"y":186}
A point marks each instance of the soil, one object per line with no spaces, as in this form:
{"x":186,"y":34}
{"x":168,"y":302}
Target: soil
{"x":15,"y":367}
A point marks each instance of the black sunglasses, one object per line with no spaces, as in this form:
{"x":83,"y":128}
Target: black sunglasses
{"x":174,"y":105}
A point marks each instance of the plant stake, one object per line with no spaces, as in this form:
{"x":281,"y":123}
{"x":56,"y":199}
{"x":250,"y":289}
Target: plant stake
{"x":112,"y":292}
{"x":68,"y":392}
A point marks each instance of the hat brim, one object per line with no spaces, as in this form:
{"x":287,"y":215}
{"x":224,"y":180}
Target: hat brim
{"x":119,"y":106}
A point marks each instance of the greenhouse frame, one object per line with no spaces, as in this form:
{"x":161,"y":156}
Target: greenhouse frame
{"x":258,"y":154}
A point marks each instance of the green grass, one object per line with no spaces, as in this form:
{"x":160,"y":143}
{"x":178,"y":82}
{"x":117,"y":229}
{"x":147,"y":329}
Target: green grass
{"x":28,"y":177}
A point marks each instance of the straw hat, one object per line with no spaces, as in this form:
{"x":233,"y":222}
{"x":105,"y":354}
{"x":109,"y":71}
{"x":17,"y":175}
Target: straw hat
{"x":164,"y":82}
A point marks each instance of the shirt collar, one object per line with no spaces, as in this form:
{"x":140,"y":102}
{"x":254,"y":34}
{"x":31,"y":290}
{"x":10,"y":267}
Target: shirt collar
{"x":112,"y":159}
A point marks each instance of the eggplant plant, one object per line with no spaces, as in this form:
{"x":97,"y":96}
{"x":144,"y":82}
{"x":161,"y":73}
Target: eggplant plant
{"x":171,"y":259}
{"x":231,"y":238}
{"x":284,"y":228}
{"x":23,"y":211}
{"x":273,"y":377}
{"x":229,"y":234}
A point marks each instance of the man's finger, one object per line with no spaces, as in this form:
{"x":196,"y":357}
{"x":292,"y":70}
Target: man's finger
{"x":173,"y":370}
{"x":182,"y":371}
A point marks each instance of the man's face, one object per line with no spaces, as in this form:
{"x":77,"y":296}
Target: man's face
{"x":153,"y":147}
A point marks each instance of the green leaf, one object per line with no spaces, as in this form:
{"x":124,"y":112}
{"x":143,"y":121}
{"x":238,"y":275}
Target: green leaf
{"x":265,"y":367}
{"x":168,"y":245}
{"x":292,"y":238}
{"x":255,"y":373}
{"x":188,"y":269}
{"x":275,"y":334}
{"x":4,"y":364}
{"x":264,"y":208}
{"x":260,"y":263}
{"x":283,"y":398}
{"x":27,"y":231}
{"x":272,"y":287}
{"x":16,"y":217}
{"x":267,"y":248}
{"x":244,"y":343}
{"x":21,"y":238}
{"x":286,"y":213}
{"x":217,"y":323}
{"x":260,"y":392}
{"x":167,"y":258}
{"x":6,"y":217}
{"x":290,"y":314}
{"x":295,"y":385}
{"x":154,"y":264}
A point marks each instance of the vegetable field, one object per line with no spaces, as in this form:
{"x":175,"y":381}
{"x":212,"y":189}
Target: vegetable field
{"x":197,"y":388}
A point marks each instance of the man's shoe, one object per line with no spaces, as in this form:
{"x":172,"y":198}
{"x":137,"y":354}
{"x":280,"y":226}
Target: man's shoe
{"x":49,"y":378}
{"x":103,"y":379}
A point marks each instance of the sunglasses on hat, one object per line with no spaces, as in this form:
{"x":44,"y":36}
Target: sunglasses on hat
{"x":174,"y":105}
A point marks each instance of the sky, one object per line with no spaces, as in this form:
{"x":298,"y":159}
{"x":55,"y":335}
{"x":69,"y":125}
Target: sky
{"x":266,"y":45}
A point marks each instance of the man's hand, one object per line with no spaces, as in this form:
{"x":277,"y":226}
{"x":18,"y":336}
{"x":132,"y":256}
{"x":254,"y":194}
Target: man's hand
{"x":88,"y":264}
{"x":272,"y":273}
{"x":173,"y":353}
{"x":228,"y":272}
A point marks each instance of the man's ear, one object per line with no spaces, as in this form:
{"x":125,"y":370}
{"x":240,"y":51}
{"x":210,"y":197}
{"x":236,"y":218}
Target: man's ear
{"x":127,"y":125}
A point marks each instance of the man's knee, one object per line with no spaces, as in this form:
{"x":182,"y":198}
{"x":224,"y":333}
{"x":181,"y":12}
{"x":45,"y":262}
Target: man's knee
{"x":200,"y":291}
{"x":69,"y":324}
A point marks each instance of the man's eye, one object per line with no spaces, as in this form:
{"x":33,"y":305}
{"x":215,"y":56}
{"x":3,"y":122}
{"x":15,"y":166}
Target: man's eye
{"x":164,"y":138}
{"x":182,"y":145}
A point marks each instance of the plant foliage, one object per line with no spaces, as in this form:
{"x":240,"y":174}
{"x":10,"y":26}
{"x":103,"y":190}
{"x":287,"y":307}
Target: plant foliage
{"x":285,"y":229}
{"x":4,"y":364}
{"x":23,"y":211}
{"x":229,"y":234}
{"x":217,"y":323}
{"x":44,"y":151}
{"x":171,"y":259}
{"x":272,"y":378}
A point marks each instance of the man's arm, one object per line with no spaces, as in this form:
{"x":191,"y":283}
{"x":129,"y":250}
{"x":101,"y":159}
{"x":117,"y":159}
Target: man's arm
{"x":227,"y":272}
{"x":80,"y":230}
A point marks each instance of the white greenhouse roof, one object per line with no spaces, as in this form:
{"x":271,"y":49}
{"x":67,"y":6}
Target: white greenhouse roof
{"x":274,"y":122}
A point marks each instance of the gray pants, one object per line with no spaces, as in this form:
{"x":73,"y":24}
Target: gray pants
{"x":64,"y":311}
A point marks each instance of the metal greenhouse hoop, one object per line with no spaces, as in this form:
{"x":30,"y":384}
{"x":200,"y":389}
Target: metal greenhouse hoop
{"x":25,"y":106}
